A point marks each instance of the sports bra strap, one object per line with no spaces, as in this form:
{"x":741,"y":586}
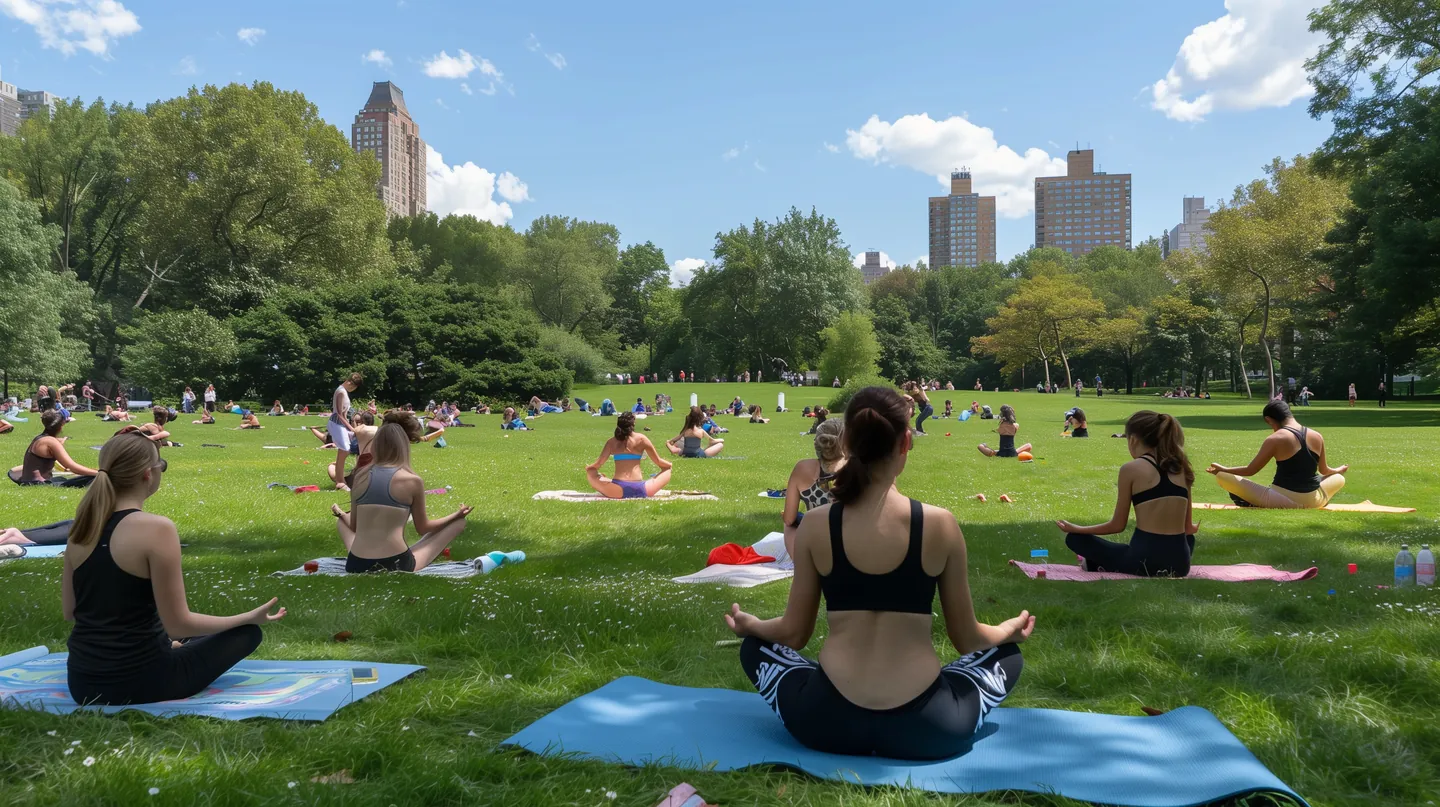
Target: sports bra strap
{"x":917,"y":533}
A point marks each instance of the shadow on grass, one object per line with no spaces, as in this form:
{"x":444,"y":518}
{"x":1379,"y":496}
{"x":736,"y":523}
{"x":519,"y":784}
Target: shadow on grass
{"x":1319,"y":419}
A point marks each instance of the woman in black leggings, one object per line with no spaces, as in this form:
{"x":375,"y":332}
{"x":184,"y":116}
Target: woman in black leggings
{"x":877,"y":558}
{"x":1157,"y":484}
{"x":125,"y":592}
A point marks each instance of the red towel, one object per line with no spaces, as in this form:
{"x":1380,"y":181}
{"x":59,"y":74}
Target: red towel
{"x":736,"y":555}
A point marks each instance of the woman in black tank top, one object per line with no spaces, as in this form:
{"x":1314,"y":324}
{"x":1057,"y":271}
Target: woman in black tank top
{"x":1161,"y":548}
{"x":124,"y":590}
{"x":877,"y":559}
{"x":1303,"y":476}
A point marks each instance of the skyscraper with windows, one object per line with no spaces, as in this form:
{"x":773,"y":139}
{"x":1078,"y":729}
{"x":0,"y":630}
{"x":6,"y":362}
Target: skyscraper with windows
{"x":873,"y":268}
{"x":9,"y":109}
{"x":962,"y":225}
{"x":1084,"y":209}
{"x":384,"y":127}
{"x":36,"y":102}
{"x":1190,"y":232}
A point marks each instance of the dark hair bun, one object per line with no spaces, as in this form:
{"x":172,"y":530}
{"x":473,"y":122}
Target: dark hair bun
{"x":624,"y":425}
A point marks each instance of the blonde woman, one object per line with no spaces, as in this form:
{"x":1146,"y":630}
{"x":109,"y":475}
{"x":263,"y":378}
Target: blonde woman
{"x":124,"y":589}
{"x":387,"y":493}
{"x":811,"y":480}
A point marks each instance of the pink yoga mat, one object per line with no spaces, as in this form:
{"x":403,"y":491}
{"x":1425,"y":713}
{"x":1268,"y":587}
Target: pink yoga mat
{"x":1237,"y":573}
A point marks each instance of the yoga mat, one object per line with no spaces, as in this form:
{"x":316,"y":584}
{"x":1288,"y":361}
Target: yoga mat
{"x":662,"y":496}
{"x":42,"y":551}
{"x":1366,"y":506}
{"x":288,"y":690}
{"x":751,"y":574}
{"x":772,"y":494}
{"x":1182,"y":758}
{"x":457,"y":569}
{"x":1236,"y":573}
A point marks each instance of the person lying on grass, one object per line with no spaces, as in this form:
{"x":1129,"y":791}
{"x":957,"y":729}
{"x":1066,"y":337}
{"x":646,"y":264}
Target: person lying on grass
{"x":1007,"y":430}
{"x":387,"y":493}
{"x":1157,"y":483}
{"x":124,"y":589}
{"x":757,"y":414}
{"x":880,"y":688}
{"x":112,"y":414}
{"x":689,"y":442}
{"x":811,"y":479}
{"x":47,"y":449}
{"x":1303,"y":476}
{"x":627,"y":447}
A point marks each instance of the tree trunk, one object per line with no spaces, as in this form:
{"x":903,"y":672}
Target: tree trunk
{"x":1044,"y":359}
{"x":1064,"y":359}
{"x":1265,"y":334}
{"x":1129,"y":374}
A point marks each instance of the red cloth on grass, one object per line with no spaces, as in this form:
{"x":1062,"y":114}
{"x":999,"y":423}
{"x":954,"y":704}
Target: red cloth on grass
{"x":736,"y":555}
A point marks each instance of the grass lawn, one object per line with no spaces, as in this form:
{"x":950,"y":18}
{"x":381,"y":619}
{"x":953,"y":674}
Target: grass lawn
{"x":1340,"y":696}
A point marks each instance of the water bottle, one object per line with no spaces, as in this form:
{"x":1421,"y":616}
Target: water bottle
{"x":1425,"y":566}
{"x":1040,"y":556}
{"x":1404,"y":567}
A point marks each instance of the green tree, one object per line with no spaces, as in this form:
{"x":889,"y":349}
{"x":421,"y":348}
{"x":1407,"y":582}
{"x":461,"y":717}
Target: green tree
{"x":639,"y":275}
{"x":564,"y":271}
{"x":1048,"y":317}
{"x":168,"y":350}
{"x":851,"y":349}
{"x":463,"y":249}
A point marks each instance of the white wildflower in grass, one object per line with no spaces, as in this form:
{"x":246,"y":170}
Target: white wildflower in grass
{"x":88,"y":761}
{"x":154,"y":791}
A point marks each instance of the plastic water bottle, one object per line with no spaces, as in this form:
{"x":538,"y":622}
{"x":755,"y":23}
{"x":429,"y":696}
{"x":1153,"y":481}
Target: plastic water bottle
{"x":1040,"y":556}
{"x":1404,"y":567}
{"x":1425,"y":566}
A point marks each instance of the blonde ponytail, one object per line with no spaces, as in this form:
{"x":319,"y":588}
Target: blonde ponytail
{"x":124,"y":459}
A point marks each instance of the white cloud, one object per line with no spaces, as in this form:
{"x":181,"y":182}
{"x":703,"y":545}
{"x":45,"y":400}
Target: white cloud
{"x":939,"y":147}
{"x":730,"y":153}
{"x":186,"y":66}
{"x":443,"y":65}
{"x":465,"y":88}
{"x":468,"y":189}
{"x":67,"y":25}
{"x":1252,"y":57}
{"x":557,"y":59}
{"x":250,"y":35}
{"x":683,"y":270}
{"x":440,"y":102}
{"x":831,"y":147}
{"x":759,"y":167}
{"x":885,"y":260}
{"x":377,"y":56}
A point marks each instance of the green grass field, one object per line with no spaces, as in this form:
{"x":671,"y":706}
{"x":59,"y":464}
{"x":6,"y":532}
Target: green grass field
{"x":1340,"y":696}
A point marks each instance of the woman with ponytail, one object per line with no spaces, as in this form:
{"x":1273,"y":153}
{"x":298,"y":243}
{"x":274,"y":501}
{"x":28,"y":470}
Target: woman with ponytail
{"x":125,"y":591}
{"x":811,"y":480}
{"x":1007,"y":430}
{"x":1157,"y":484}
{"x":877,"y":559}
{"x":690,"y":442}
{"x":628,"y":448}
{"x":386,"y":494}
{"x":1303,"y":480}
{"x":47,"y":449}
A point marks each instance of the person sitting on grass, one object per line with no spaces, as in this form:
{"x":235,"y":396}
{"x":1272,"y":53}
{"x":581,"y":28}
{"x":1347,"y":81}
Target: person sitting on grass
{"x":628,"y":448}
{"x":949,"y":409}
{"x":880,"y":689}
{"x":689,"y":442}
{"x":1303,"y":477}
{"x":124,"y":589}
{"x":510,"y":422}
{"x":756,"y":414}
{"x":710,"y":425}
{"x":387,"y":493}
{"x":6,"y":427}
{"x":47,"y":449}
{"x":277,"y":409}
{"x":639,"y":407}
{"x":1007,"y":429}
{"x":539,"y":407}
{"x":155,"y":432}
{"x":821,"y":413}
{"x":482,"y":409}
{"x":1075,"y":424}
{"x":206,"y":419}
{"x":1157,"y":483}
{"x":113,"y":415}
{"x":811,"y":479}
{"x":249,"y":421}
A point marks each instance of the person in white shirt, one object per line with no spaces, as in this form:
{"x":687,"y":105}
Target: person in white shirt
{"x":210,"y":399}
{"x":338,"y":427}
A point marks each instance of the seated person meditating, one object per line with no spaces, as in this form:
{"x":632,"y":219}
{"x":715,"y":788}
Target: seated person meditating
{"x":1157,"y":484}
{"x":689,"y":442}
{"x":386,"y":494}
{"x":510,"y":422}
{"x":112,"y":414}
{"x":47,"y":449}
{"x":821,"y":413}
{"x":757,"y":414}
{"x":627,"y":448}
{"x":1007,"y":430}
{"x":1303,"y":477}
{"x":811,"y":480}
{"x":877,"y":558}
{"x":249,"y":421}
{"x":1075,"y":424}
{"x":125,"y":591}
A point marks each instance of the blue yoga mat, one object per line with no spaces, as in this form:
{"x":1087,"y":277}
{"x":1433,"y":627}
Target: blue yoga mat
{"x":39,"y":551}
{"x":1180,"y":759}
{"x":288,"y":690}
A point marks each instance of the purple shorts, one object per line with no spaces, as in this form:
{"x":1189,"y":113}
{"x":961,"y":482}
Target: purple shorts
{"x":632,"y":490}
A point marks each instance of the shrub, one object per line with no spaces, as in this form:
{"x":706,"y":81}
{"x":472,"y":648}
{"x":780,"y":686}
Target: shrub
{"x":585,"y":361}
{"x":844,"y":394}
{"x":541,"y":374}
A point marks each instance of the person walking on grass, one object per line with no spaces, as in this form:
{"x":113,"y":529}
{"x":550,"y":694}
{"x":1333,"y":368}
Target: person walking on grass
{"x":338,"y":427}
{"x":1352,"y":395}
{"x":1383,"y":394}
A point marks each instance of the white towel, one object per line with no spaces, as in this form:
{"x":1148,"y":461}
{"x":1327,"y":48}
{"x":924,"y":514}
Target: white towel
{"x":451,"y":569}
{"x":591,"y":496}
{"x":753,"y":574}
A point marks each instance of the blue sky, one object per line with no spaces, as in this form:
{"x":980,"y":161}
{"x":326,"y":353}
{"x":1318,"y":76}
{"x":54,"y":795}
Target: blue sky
{"x":675,"y":121}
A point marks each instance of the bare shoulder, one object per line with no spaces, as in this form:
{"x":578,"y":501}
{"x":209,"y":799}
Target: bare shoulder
{"x":151,"y":528}
{"x":941,"y":523}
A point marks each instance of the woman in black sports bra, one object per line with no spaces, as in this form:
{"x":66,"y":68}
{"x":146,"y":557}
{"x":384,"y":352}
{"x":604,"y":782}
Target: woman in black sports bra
{"x":1304,"y":479}
{"x":811,"y":479}
{"x":124,"y":590}
{"x":1157,"y":484}
{"x":879,"y":687}
{"x":1007,"y":430}
{"x":47,"y":449}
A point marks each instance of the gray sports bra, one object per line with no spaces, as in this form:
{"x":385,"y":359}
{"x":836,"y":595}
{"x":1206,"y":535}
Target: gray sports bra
{"x":378,"y":492}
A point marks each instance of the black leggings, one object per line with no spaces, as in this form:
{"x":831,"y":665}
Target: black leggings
{"x":926,"y":411}
{"x":1147,"y":554}
{"x":58,"y":482}
{"x":939,"y":723}
{"x":176,"y":673}
{"x":403,"y":562}
{"x":50,"y":534}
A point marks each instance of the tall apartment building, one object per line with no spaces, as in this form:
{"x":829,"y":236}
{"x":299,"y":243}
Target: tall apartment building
{"x":9,"y":109}
{"x":873,"y":268}
{"x":36,"y":102}
{"x":1190,"y":232}
{"x":384,"y":127}
{"x":1084,"y":209}
{"x":962,"y":225}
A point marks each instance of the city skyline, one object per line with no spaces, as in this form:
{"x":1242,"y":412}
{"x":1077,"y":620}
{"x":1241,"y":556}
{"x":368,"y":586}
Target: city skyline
{"x":383,"y":127}
{"x":648,"y":122}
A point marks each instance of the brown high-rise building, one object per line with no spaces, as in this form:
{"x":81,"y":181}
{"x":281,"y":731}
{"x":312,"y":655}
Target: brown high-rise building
{"x":1084,"y":209}
{"x":384,"y":127}
{"x":962,"y":225}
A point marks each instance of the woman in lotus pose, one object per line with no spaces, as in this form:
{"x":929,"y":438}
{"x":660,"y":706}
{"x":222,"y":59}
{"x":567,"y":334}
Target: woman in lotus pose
{"x":811,"y":480}
{"x":1007,"y":430}
{"x":386,"y":494}
{"x":1157,"y":484}
{"x":877,"y":559}
{"x":689,"y":442}
{"x":125,"y":591}
{"x":47,"y":449}
{"x":1303,"y":478}
{"x":627,"y":448}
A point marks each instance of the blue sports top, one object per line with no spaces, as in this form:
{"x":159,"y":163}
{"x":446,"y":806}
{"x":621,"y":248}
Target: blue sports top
{"x":626,"y":456}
